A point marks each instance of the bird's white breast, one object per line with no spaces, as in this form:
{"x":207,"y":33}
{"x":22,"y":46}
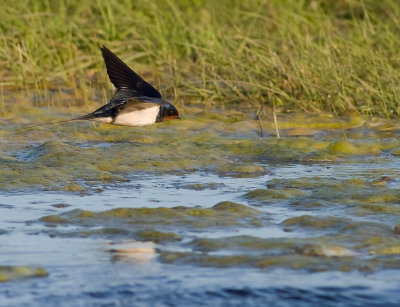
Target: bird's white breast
{"x":135,"y":118}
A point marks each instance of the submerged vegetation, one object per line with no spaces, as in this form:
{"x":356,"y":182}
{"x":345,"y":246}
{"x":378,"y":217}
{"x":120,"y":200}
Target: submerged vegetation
{"x":109,"y":154}
{"x":310,"y":55}
{"x":9,"y":273}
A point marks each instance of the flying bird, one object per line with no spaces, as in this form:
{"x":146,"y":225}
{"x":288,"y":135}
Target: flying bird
{"x":134,"y":103}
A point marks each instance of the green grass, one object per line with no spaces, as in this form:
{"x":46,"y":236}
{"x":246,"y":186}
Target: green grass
{"x":301,"y":55}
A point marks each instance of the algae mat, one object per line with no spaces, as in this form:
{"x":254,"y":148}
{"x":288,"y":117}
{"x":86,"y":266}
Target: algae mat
{"x":203,"y":211}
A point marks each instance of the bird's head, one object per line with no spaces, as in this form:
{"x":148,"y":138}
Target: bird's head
{"x":167,"y":112}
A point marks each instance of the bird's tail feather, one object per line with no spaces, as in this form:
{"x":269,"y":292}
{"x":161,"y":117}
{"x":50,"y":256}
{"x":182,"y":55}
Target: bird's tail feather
{"x":85,"y":117}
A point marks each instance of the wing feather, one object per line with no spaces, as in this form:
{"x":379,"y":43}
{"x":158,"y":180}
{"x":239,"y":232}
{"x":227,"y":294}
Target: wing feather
{"x":127,"y":82}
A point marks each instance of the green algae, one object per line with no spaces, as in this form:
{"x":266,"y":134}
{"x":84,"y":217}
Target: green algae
{"x":158,"y":236}
{"x":293,"y":261}
{"x":315,"y":184}
{"x":344,"y":147}
{"x":396,"y":152}
{"x":298,"y":131}
{"x":309,"y":149}
{"x":271,"y":195}
{"x":339,"y":246}
{"x":291,"y":149}
{"x":314,"y":254}
{"x":235,"y":208}
{"x":55,"y":219}
{"x":241,"y":171}
{"x":362,"y":196}
{"x":10,"y":273}
{"x":223,"y":214}
{"x":76,"y":160}
{"x":389,"y":250}
{"x":308,"y":221}
{"x":69,"y":166}
{"x":241,"y":243}
{"x":380,"y":243}
{"x":204,"y":186}
{"x":396,"y":229}
{"x":60,"y":159}
{"x":338,"y":150}
{"x":318,"y":250}
{"x":382,"y":209}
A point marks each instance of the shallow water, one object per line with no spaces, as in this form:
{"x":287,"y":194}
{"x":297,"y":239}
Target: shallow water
{"x":201,"y":212}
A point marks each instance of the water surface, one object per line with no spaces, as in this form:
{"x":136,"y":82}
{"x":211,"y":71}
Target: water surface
{"x":201,"y":212}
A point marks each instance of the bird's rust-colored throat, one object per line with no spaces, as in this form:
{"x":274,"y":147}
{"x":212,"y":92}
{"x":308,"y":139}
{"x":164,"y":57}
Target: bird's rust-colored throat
{"x":171,"y":117}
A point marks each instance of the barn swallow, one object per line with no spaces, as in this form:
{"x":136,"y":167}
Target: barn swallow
{"x":134,"y":103}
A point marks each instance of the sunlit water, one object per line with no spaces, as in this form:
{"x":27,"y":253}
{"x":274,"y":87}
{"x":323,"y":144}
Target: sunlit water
{"x":82,"y":271}
{"x":300,"y":231}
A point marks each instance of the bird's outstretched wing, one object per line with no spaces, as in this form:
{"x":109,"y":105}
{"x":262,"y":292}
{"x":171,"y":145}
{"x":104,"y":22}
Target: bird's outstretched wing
{"x":128,"y":83}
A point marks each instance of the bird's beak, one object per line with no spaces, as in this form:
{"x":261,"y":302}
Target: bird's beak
{"x":178,"y":117}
